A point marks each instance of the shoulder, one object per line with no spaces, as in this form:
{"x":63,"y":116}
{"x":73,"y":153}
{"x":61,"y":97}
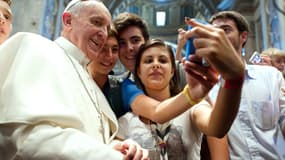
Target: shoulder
{"x":27,"y":37}
{"x":262,"y":71}
{"x":261,"y":68}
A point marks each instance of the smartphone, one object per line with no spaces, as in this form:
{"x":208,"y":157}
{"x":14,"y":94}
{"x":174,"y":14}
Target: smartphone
{"x":255,"y":58}
{"x":190,"y":48}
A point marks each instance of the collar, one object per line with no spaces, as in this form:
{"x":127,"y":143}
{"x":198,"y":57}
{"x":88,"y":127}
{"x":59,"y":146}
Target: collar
{"x":73,"y":51}
{"x":249,"y":72}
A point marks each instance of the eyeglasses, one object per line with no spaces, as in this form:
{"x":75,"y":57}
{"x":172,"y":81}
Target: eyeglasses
{"x":76,"y":2}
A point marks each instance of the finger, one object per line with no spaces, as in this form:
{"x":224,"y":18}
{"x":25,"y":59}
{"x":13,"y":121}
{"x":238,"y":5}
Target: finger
{"x":139,"y":154}
{"x":194,"y":23}
{"x":181,"y":30}
{"x":120,"y":147}
{"x":207,"y":73}
{"x":131,"y":151}
{"x":203,"y":72}
{"x":201,"y":79}
{"x":194,"y":58}
{"x":145,"y":154}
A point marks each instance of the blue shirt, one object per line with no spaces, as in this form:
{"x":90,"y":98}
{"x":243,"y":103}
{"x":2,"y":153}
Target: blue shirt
{"x":256,"y":132}
{"x":129,"y":92}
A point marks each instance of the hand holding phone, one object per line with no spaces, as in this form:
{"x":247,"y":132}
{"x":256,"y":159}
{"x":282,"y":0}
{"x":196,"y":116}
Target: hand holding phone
{"x":190,"y":48}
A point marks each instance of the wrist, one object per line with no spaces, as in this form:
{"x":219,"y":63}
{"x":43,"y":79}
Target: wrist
{"x":188,"y":96}
{"x":233,"y":83}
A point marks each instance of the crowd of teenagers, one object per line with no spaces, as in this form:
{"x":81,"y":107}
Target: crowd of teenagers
{"x":60,"y":100}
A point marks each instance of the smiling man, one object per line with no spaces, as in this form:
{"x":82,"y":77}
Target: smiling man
{"x":50,"y":108}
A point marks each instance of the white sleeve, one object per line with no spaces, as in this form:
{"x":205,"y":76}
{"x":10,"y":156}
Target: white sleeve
{"x":45,"y":141}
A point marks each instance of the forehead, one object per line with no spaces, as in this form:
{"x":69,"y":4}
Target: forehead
{"x":223,"y":22}
{"x":156,"y":50}
{"x":96,"y":9}
{"x":131,"y":31}
{"x":111,"y":41}
{"x":5,"y":7}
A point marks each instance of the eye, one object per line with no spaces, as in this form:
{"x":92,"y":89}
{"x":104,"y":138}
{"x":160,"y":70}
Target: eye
{"x":115,"y":50}
{"x":136,"y":40}
{"x":163,"y":60}
{"x":96,"y":22}
{"x":227,"y":29}
{"x":148,"y":60}
{"x":122,"y":43}
{"x":8,"y":17}
{"x":104,"y":49}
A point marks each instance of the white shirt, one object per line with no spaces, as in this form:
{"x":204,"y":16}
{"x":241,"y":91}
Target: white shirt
{"x":256,"y":132}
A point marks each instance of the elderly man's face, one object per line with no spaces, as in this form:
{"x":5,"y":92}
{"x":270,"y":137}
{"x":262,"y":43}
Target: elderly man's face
{"x":5,"y":21}
{"x":89,"y":29}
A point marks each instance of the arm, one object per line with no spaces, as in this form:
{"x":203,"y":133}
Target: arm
{"x":181,"y":42}
{"x":160,"y":111}
{"x":41,"y":113}
{"x":48,"y":141}
{"x":222,"y":57}
{"x":218,"y":148}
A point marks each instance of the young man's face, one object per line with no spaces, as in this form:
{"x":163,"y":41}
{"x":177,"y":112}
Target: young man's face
{"x":5,"y":21}
{"x":232,"y":32}
{"x":130,"y":41}
{"x":106,"y":59}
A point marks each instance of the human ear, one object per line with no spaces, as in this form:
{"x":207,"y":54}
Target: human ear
{"x":244,"y":36}
{"x":66,"y":19}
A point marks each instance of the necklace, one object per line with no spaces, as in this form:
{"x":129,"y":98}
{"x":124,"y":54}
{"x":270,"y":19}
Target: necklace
{"x":95,"y":103}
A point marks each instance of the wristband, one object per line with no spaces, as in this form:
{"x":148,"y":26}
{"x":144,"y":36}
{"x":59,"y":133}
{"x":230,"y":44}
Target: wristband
{"x":188,"y":96}
{"x":232,"y":83}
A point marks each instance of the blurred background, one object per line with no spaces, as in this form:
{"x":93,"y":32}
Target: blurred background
{"x":164,"y":17}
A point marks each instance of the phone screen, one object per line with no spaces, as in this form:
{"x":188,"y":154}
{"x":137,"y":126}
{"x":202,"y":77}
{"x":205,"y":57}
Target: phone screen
{"x":255,"y":58}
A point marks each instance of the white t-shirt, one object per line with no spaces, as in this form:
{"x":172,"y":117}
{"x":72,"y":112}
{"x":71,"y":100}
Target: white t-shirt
{"x":182,"y":138}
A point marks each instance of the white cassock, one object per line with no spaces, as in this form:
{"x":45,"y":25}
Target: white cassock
{"x":49,"y":106}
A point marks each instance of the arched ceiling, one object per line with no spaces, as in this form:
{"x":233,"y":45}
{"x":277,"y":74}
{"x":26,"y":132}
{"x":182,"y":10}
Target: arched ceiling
{"x":175,"y":10}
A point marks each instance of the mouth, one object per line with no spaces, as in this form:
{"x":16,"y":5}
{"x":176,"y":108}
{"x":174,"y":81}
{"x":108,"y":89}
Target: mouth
{"x":130,"y":58}
{"x":155,"y":73}
{"x":2,"y":30}
{"x":106,"y":64}
{"x":96,"y":44}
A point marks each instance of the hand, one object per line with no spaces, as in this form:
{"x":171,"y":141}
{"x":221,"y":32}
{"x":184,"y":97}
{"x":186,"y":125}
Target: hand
{"x":200,"y":79}
{"x":212,"y":44}
{"x":265,"y":60}
{"x":131,"y":150}
{"x":181,"y":42}
{"x":181,"y":38}
{"x":283,"y":90}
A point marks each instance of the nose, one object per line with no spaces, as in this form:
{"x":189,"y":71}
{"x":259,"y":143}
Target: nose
{"x":103,"y":32}
{"x":156,"y":65}
{"x":108,"y":53}
{"x":2,"y":19}
{"x":130,"y":46}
